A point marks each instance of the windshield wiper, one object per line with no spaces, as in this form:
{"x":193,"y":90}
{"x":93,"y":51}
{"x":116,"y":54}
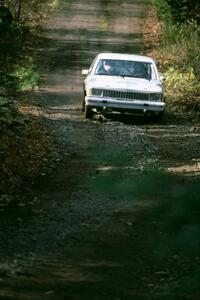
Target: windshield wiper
{"x":124,"y":75}
{"x":132,"y":76}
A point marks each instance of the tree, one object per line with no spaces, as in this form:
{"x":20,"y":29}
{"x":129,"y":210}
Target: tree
{"x":183,"y":10}
{"x":26,"y":11}
{"x":5,"y":15}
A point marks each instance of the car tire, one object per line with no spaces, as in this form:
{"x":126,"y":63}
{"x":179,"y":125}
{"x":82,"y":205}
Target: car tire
{"x":83,"y":102}
{"x":88,"y":112}
{"x":83,"y":106}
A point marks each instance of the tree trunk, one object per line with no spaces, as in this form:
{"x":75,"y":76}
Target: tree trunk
{"x":19,"y":10}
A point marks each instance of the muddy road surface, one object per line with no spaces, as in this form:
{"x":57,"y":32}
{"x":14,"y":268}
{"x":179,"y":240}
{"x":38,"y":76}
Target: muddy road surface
{"x":117,"y":216}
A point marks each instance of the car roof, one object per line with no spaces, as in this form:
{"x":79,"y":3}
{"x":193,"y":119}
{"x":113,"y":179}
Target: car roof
{"x":122,"y":56}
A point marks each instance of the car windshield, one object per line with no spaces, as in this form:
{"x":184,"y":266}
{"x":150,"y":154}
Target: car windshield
{"x":124,"y":68}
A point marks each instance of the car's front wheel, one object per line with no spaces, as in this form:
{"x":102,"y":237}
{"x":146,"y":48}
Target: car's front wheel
{"x":88,"y":112}
{"x":83,"y":102}
{"x":83,"y":106}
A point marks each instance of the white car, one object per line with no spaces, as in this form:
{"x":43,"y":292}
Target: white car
{"x":123,"y":83}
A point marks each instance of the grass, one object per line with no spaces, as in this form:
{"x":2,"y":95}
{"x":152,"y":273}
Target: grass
{"x":178,"y":57}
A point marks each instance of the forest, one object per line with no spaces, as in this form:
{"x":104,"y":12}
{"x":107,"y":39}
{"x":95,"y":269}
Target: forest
{"x":24,"y":140}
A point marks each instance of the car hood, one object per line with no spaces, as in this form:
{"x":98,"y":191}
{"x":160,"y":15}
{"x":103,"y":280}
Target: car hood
{"x":124,"y":84}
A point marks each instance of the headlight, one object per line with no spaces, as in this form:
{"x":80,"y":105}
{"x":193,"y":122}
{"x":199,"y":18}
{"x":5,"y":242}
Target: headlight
{"x":97,"y":92}
{"x":156,"y":97}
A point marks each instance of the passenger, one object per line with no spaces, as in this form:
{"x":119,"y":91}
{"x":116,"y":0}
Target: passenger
{"x":141,"y":70}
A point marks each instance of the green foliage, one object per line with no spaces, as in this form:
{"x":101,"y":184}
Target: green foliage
{"x":32,"y":13}
{"x":179,"y":59}
{"x":3,"y":101}
{"x":183,"y":10}
{"x":163,"y":9}
{"x":54,"y":4}
{"x":8,"y":113}
{"x":181,"y":81}
{"x":178,"y":41}
{"x":176,"y":33}
{"x":177,"y":10}
{"x":17,"y":71}
{"x":17,"y":43}
{"x":27,"y":77}
{"x":182,"y":89}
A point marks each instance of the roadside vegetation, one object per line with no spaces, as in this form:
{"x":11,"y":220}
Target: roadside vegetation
{"x":175,"y":42}
{"x":24,"y":139}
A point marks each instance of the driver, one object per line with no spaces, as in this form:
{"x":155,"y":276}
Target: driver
{"x":109,"y":67}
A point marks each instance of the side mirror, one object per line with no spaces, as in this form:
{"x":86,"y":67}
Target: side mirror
{"x":85,"y":72}
{"x":162,"y":78}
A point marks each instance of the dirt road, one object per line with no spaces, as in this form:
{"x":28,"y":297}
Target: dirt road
{"x":117,"y":217}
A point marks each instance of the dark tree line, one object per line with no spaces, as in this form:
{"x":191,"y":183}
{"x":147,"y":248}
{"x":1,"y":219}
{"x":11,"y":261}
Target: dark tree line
{"x":22,"y":10}
{"x":183,"y":10}
{"x":5,"y":15}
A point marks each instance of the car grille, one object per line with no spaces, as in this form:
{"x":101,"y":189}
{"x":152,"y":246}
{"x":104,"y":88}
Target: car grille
{"x":127,"y":95}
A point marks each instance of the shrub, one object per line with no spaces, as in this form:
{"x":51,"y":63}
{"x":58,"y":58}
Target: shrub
{"x":182,"y":89}
{"x":178,"y":57}
{"x":27,"y":77}
{"x":163,"y":9}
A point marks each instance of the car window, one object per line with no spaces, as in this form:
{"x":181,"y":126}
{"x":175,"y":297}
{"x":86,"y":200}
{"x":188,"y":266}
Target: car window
{"x":124,"y":68}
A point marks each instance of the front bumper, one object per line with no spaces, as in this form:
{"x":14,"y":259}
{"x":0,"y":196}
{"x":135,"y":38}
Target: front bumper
{"x":115,"y":104}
